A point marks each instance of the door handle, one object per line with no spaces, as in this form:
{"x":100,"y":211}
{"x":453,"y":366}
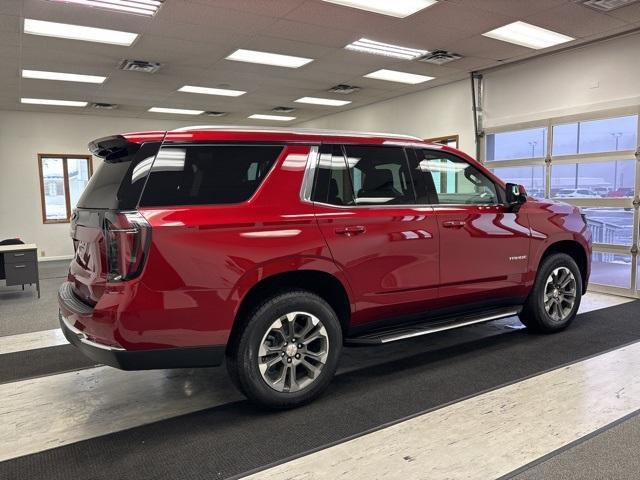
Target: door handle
{"x":351,"y":230}
{"x":454,"y":224}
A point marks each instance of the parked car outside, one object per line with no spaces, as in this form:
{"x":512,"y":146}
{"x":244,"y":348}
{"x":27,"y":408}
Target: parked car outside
{"x":270,"y":249}
{"x":576,"y":193}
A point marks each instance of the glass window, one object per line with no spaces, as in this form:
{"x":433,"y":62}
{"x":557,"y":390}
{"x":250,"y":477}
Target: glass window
{"x":206,"y":174}
{"x":379,"y":175}
{"x":612,"y":226}
{"x":456,"y":181}
{"x":593,"y":136}
{"x":517,"y":144}
{"x":118,"y":184}
{"x":63,"y":179}
{"x":593,"y":180}
{"x":611,"y":269}
{"x":332,"y":182}
{"x":532,"y":178}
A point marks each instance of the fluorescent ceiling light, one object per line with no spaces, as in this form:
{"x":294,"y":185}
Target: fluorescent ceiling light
{"x":323,"y":101}
{"x":77,"y":32}
{"x":393,"y":8}
{"x":211,"y":91}
{"x":177,"y":111}
{"x":46,"y":101}
{"x":277,"y":118}
{"x":528,"y":35}
{"x":386,"y":49}
{"x":141,"y":7}
{"x":265,"y":58}
{"x":400,"y":77}
{"x":65,"y":77}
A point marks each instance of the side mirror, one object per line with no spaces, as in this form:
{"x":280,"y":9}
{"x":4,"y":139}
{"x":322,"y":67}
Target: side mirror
{"x":516,"y":195}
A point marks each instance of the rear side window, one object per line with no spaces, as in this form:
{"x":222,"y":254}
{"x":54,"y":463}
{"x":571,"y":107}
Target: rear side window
{"x":207,"y":174}
{"x":379,"y":175}
{"x":118,"y":184}
{"x":332,"y":182}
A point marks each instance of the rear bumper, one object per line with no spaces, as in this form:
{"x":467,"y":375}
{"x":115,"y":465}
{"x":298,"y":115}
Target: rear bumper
{"x":71,"y":309}
{"x":143,"y":359}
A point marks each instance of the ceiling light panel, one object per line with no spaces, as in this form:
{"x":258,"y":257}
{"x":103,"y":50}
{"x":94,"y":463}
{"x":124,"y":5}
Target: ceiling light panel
{"x":386,"y":49}
{"x":277,"y":118}
{"x":64,"y":77}
{"x":323,"y":101}
{"x":211,"y":91}
{"x":139,"y":7}
{"x":393,"y":8}
{"x":400,"y":77}
{"x":47,"y":101}
{"x":527,"y":35}
{"x":266,"y":58}
{"x":176,"y":111}
{"x":78,"y":32}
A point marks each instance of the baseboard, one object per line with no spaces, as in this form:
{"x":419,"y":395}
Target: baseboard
{"x":52,"y":259}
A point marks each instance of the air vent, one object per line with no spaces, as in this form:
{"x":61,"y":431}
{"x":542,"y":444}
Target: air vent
{"x":104,"y":106}
{"x":344,"y":89}
{"x":439,"y":57}
{"x":606,"y":5}
{"x":215,"y":114}
{"x":283,"y":109}
{"x":139,"y":66}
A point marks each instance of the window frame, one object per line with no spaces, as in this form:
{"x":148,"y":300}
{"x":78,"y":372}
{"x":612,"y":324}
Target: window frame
{"x":309,"y":182}
{"x":551,"y":160}
{"x":65,"y":172}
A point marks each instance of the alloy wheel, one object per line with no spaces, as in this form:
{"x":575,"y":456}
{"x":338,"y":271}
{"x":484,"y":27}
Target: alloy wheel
{"x":293,"y":352}
{"x":560,"y":294}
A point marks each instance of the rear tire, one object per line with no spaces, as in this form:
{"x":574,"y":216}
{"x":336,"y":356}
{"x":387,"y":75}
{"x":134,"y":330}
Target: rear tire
{"x":287,"y":350}
{"x":555,"y":298}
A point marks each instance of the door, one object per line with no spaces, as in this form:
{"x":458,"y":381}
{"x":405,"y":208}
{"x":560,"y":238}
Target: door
{"x":386,"y":244}
{"x":484,"y":244}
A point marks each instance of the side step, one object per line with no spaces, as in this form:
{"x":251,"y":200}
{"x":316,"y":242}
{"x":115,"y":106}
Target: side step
{"x":416,"y":330}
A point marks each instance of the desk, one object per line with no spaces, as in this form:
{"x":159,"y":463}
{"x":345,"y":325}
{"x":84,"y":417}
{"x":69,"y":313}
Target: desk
{"x":21,"y":265}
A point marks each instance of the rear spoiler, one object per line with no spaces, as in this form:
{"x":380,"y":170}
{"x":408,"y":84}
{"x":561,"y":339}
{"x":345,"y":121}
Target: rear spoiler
{"x":115,"y":148}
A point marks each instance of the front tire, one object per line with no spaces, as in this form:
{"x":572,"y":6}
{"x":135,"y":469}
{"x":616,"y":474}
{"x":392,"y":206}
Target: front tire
{"x":555,"y":298}
{"x":287,"y":351}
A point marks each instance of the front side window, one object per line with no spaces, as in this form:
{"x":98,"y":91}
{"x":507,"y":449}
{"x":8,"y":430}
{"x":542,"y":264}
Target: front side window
{"x":456,"y":182}
{"x":62,"y":179}
{"x":207,"y":174}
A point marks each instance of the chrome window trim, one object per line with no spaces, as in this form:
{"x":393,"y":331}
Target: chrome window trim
{"x":309,"y":174}
{"x":308,"y":178}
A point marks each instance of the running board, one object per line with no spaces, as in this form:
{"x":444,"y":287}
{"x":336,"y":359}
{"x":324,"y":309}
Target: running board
{"x":417,"y":330}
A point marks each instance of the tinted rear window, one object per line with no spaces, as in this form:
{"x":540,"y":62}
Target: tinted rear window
{"x":118,"y":185}
{"x":207,"y":174}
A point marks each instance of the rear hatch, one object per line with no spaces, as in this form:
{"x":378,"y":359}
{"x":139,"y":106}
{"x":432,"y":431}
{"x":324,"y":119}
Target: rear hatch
{"x":110,"y":238}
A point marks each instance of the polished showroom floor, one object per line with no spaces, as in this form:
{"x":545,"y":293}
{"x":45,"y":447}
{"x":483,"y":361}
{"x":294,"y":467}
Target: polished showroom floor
{"x":485,"y":402}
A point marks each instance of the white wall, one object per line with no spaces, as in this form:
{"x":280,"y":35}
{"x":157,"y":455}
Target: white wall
{"x":25,"y":134}
{"x":595,"y":77}
{"x":434,"y":112}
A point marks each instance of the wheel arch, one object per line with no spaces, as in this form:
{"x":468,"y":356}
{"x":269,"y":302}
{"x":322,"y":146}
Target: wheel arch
{"x":576,"y":251}
{"x":326,"y":285}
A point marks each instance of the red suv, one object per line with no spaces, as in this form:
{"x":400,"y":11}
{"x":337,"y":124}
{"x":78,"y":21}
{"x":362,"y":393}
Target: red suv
{"x":274,"y":248}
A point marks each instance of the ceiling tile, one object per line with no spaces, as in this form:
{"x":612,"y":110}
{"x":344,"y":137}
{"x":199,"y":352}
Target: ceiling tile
{"x":513,"y":8}
{"x":575,"y":20}
{"x":307,"y":32}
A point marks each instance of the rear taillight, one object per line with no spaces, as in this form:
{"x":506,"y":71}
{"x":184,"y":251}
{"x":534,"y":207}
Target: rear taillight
{"x":127,"y":237}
